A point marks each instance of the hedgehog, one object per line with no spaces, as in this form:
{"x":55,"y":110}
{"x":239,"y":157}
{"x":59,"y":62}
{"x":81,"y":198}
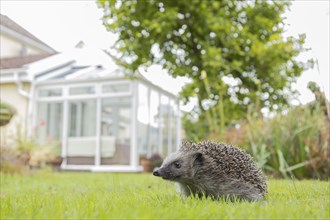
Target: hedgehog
{"x":215,"y":170}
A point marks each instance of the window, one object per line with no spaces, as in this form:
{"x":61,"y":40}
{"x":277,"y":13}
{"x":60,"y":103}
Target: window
{"x":82,"y":118}
{"x":81,"y":141}
{"x":50,"y":92}
{"x":116,"y":88}
{"x":98,"y":121}
{"x":153,"y":142}
{"x":86,"y":90}
{"x":173,"y":126}
{"x":50,"y":116}
{"x":115,"y":131}
{"x":143,"y":120}
{"x":165,"y":120}
{"x":115,"y":117}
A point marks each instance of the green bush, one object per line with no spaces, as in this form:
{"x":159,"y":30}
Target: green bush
{"x":295,"y":144}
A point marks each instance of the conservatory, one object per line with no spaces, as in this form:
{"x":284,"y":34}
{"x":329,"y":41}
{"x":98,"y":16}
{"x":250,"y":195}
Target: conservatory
{"x":102,"y":120}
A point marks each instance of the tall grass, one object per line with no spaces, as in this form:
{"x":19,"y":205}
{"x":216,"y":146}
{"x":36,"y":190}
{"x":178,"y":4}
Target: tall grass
{"x":295,"y":144}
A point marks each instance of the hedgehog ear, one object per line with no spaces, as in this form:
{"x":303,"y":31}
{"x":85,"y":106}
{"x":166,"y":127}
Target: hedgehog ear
{"x":198,"y":159}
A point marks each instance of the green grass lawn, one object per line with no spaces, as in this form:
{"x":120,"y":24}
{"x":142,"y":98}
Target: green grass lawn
{"x":47,"y":195}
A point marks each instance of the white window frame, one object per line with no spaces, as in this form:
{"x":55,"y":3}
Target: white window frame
{"x":119,"y":82}
{"x":98,"y":96}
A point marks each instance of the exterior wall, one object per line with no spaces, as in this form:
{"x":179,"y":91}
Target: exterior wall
{"x":10,"y":47}
{"x":9,"y":94}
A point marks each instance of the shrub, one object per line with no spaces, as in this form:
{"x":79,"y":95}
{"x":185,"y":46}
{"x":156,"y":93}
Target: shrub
{"x":28,"y":153}
{"x":295,"y":144}
{"x":11,"y":162}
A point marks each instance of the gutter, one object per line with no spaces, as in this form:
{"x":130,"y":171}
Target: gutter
{"x":29,"y":95}
{"x":20,"y":86}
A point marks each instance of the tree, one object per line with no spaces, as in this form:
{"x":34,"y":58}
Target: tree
{"x":233,"y":51}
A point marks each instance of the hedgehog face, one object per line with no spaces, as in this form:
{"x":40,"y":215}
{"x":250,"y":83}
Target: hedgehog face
{"x":179,"y":166}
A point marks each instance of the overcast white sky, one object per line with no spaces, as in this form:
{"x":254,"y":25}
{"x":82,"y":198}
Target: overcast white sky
{"x":62,"y":24}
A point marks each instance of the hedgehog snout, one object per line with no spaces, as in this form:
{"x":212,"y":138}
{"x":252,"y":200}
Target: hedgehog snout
{"x":160,"y":172}
{"x":156,"y":173}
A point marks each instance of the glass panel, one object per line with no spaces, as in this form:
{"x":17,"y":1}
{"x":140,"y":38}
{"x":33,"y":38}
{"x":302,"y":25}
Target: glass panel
{"x":82,"y":118}
{"x":165,"y":124}
{"x":116,"y":88}
{"x":173,"y":124}
{"x":143,"y":121}
{"x":86,"y":90}
{"x":50,"y":92}
{"x":153,"y":145}
{"x":81,"y":142}
{"x":115,"y":131}
{"x":50,"y":121}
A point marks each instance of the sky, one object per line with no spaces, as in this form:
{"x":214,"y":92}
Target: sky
{"x":62,"y":24}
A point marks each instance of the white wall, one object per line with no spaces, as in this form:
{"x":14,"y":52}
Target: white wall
{"x":10,"y":95}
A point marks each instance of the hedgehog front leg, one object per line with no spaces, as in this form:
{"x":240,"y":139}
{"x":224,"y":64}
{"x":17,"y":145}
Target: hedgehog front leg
{"x":183,"y":189}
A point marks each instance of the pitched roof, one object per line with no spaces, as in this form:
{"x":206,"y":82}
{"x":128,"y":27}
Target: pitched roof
{"x":18,"y":62}
{"x":10,"y":24}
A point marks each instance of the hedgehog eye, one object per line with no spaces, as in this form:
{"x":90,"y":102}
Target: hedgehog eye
{"x":177,"y":164}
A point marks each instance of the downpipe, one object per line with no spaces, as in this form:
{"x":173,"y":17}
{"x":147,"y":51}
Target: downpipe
{"x":29,"y":95}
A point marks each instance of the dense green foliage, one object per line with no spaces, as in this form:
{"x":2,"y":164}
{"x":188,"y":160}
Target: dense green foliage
{"x":137,"y":196}
{"x":233,"y":51}
{"x":293,"y":144}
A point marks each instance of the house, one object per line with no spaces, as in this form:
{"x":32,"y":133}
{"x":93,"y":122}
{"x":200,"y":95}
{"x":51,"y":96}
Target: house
{"x":18,"y":42}
{"x":100,"y":119}
{"x":17,"y":48}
